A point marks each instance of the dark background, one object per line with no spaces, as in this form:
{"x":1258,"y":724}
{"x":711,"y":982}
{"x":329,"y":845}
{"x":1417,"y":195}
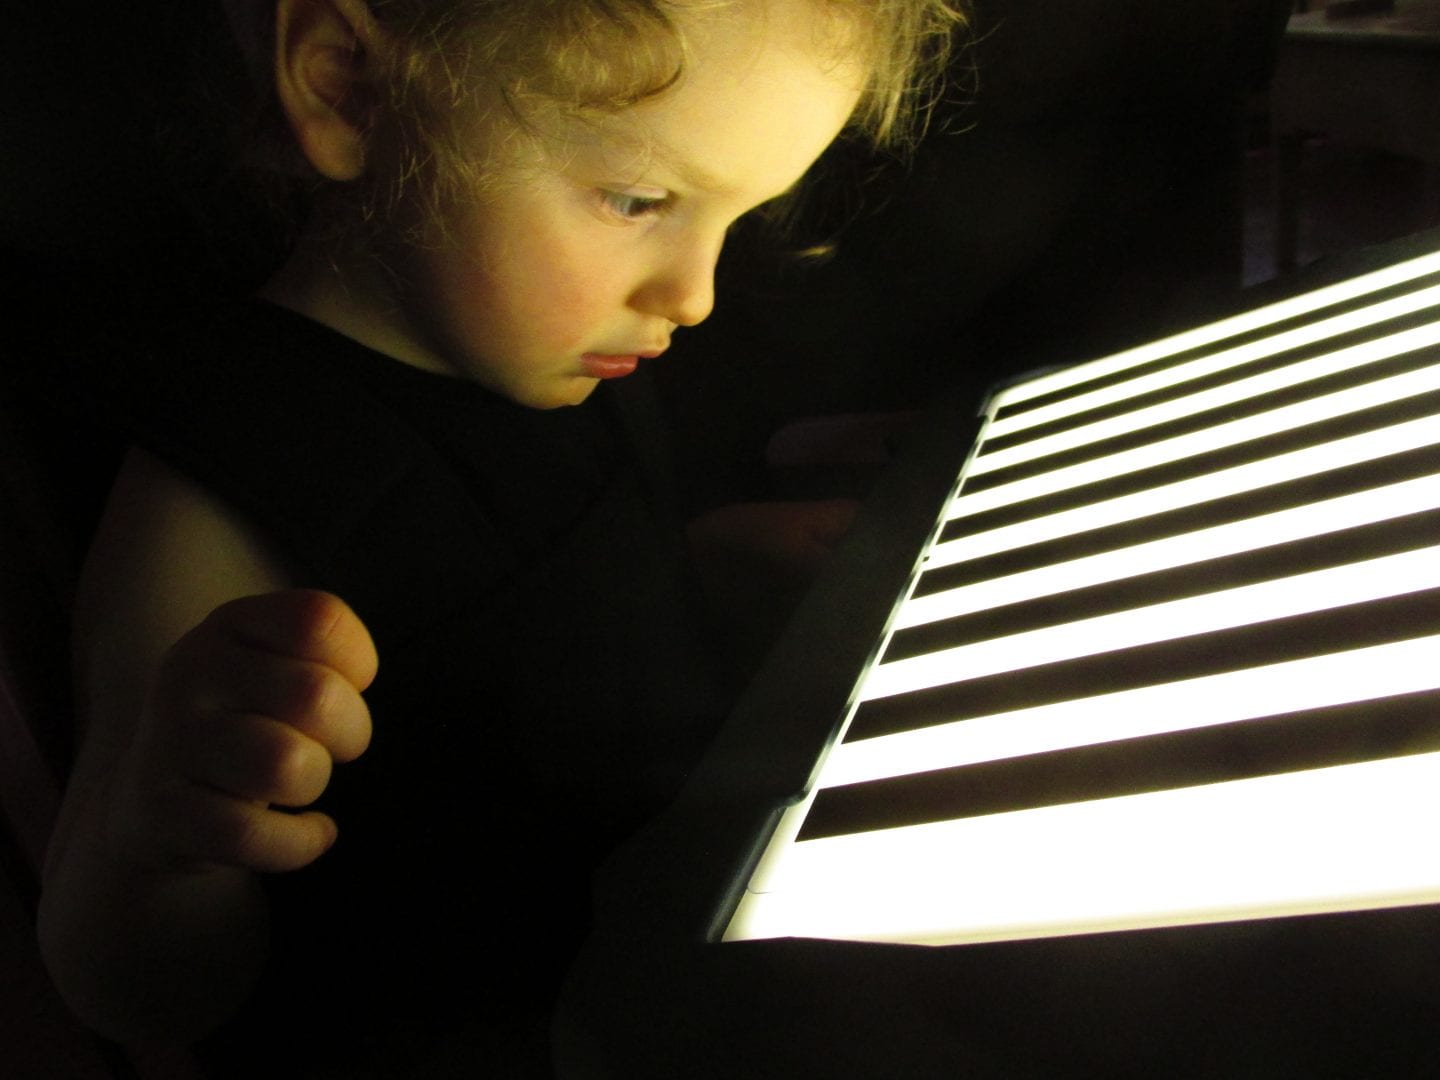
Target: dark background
{"x":1090,"y":181}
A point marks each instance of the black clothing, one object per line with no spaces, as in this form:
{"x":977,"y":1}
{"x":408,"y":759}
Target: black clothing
{"x":543,"y":687}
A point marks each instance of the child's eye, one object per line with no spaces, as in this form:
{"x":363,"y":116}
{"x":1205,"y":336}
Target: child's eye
{"x":631,"y":207}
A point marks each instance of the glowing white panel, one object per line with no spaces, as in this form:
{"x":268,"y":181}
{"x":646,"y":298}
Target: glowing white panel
{"x":1371,"y":579}
{"x":1224,"y":360}
{"x":1313,"y":519}
{"x":1293,"y":465}
{"x":1286,"y":418}
{"x":1211,"y":333}
{"x":1231,"y":393}
{"x":1344,"y":838}
{"x":1315,"y":682}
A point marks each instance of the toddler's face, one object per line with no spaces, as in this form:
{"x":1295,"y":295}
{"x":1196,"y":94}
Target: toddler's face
{"x":584,"y":261}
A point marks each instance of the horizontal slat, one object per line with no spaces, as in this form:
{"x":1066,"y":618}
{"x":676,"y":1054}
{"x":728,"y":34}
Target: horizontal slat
{"x":1233,"y":538}
{"x":1330,"y":734}
{"x":1371,"y":579}
{"x":1288,"y":418}
{"x":1336,"y":839}
{"x":1277,"y":641}
{"x":1398,"y":667}
{"x":1309,"y":461}
{"x":1004,"y":428}
{"x":1209,"y":334}
{"x":1226,"y":400}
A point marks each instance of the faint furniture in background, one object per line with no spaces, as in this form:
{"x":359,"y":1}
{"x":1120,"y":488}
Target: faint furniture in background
{"x":1370,"y":80}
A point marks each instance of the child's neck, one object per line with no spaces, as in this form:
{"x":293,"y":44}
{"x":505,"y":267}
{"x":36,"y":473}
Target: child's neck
{"x":350,"y":292}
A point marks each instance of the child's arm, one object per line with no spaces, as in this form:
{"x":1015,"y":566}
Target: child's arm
{"x":200,"y":713}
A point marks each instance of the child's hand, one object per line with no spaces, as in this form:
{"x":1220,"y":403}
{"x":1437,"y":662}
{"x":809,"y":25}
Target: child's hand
{"x":246,"y":716}
{"x":754,"y":560}
{"x":777,"y":543}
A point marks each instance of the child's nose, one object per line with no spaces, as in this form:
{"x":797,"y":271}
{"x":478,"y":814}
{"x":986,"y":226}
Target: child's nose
{"x":682,"y":291}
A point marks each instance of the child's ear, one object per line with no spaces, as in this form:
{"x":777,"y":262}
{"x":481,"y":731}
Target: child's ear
{"x":321,"y":52}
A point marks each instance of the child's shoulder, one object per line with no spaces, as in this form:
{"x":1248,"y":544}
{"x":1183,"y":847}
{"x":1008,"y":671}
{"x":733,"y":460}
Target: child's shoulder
{"x":166,"y":553}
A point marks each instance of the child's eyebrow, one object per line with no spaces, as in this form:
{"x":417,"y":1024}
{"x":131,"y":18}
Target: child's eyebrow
{"x":691,"y":174}
{"x":697,"y":178}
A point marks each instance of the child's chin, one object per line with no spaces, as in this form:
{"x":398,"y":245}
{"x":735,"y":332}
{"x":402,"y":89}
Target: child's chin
{"x":556,"y":394}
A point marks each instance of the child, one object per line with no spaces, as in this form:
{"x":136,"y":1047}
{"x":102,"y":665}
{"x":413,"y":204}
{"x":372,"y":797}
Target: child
{"x":513,"y":203}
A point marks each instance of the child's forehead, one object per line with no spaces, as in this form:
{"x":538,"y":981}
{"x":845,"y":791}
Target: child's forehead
{"x":625,"y":143}
{"x":755,"y":87}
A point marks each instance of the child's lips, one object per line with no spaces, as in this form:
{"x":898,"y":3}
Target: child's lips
{"x":608,"y":367}
{"x":604,"y":366}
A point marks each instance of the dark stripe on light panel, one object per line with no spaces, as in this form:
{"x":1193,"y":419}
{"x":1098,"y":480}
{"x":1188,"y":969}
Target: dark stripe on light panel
{"x":1041,"y":496}
{"x":1173,"y":655}
{"x":1336,"y":735}
{"x":1388,"y":669}
{"x":1412,"y":374}
{"x":1309,"y":305}
{"x":1119,"y":590}
{"x":1391,"y":620}
{"x":1172,"y":420}
{"x":1376,"y":455}
{"x":1186,"y":374}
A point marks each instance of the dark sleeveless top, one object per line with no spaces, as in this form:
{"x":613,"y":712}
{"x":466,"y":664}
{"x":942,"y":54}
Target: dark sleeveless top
{"x":543,"y":684}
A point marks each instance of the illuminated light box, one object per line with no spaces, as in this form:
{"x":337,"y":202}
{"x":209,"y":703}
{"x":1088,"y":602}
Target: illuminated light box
{"x":1170,"y":655}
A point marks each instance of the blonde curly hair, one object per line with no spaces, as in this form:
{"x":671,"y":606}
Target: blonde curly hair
{"x":449,"y":61}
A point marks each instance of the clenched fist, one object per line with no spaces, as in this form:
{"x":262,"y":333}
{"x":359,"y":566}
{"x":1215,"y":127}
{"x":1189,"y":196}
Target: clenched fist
{"x":247,"y":715}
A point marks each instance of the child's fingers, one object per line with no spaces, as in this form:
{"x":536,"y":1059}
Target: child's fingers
{"x":259,"y":759}
{"x":249,"y":710}
{"x":792,"y":538}
{"x":316,"y":701}
{"x":187,"y":824}
{"x":227,"y":677}
{"x":233,"y":832}
{"x":304,"y":624}
{"x":830,"y":519}
{"x":236,"y":662}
